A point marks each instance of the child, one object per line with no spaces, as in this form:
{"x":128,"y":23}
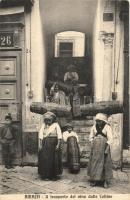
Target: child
{"x":100,"y":164}
{"x":7,"y":140}
{"x":73,"y":153}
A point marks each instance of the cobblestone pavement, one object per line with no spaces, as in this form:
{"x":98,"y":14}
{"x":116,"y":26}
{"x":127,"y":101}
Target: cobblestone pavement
{"x":25,"y":180}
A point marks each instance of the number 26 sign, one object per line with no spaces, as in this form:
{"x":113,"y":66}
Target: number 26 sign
{"x":6,"y":39}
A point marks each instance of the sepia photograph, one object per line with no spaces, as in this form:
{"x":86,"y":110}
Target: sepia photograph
{"x":64,"y":99}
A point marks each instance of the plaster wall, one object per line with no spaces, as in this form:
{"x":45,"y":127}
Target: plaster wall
{"x":66,"y":15}
{"x":35,"y":61}
{"x":101,"y":61}
{"x":109,"y":68}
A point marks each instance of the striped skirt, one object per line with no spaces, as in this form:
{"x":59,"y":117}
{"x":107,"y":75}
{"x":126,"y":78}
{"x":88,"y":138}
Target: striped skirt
{"x":100,"y":164}
{"x":73,"y":155}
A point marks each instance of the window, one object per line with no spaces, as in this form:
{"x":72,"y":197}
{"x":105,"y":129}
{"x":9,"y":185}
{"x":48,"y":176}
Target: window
{"x":69,"y":44}
{"x":65,"y":49}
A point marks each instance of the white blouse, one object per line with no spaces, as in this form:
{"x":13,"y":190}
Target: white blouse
{"x":107,"y":130}
{"x":52,"y":130}
{"x":66,"y":135}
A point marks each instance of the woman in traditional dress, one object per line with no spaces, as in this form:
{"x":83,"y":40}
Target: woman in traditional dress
{"x":73,"y":153}
{"x":100,"y":164}
{"x":49,"y":158}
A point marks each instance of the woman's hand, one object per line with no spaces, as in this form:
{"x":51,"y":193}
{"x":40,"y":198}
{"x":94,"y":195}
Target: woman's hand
{"x":91,"y":143}
{"x":107,"y":148}
{"x":40,"y":144}
{"x":57,"y":147}
{"x":40,"y":147}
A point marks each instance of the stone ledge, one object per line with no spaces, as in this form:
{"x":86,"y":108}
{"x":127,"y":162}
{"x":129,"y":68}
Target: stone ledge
{"x":126,"y":157}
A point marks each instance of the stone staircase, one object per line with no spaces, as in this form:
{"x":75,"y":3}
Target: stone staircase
{"x":82,"y":128}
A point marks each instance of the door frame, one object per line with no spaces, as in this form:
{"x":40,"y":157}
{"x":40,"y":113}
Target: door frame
{"x":9,"y":53}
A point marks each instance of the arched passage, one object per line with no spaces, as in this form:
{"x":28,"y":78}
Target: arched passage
{"x":69,"y":17}
{"x":70,"y":49}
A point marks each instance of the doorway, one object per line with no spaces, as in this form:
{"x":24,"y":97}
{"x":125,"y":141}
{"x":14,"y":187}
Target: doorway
{"x":70,"y":49}
{"x":10,"y":95}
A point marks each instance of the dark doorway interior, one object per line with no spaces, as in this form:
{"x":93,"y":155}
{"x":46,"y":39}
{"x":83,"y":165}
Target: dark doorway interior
{"x":83,"y":68}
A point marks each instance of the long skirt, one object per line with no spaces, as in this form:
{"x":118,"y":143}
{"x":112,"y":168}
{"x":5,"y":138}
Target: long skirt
{"x":49,"y":159}
{"x":73,"y":155}
{"x":100,"y":164}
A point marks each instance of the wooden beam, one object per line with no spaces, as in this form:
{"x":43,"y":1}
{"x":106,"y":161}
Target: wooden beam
{"x":111,"y":107}
{"x":59,"y":110}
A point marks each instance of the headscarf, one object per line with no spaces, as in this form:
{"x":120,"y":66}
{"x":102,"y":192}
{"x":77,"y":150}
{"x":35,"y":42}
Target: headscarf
{"x":68,"y":125}
{"x":72,"y":68}
{"x":102,"y":117}
{"x":50,"y":115}
{"x":8,"y":116}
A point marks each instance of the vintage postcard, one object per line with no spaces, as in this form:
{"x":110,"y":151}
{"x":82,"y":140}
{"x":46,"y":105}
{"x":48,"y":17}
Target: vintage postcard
{"x":64,"y":99}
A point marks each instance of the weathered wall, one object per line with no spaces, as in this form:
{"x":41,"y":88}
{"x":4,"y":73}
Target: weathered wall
{"x":34,"y":78}
{"x":68,"y":15}
{"x":108,"y":66}
{"x":107,"y":54}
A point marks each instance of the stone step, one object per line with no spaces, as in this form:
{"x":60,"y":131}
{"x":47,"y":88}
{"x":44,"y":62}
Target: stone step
{"x":83,"y":138}
{"x":82,"y":122}
{"x":82,"y":129}
{"x":89,"y":117}
{"x":81,"y":134}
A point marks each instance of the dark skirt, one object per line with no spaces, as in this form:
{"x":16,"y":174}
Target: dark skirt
{"x":100,"y":164}
{"x":73,"y":155}
{"x":49,"y":159}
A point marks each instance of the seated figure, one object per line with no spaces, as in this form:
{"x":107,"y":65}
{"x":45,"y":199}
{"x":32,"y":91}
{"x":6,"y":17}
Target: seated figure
{"x":71,"y":76}
{"x":57,"y":96}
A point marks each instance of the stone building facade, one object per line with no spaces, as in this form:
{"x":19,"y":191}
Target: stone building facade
{"x":28,"y":31}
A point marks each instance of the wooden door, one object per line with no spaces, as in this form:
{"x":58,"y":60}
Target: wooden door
{"x":10,"y":94}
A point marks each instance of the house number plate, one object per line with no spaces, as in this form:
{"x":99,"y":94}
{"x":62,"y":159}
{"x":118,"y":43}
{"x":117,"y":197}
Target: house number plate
{"x":6,"y":39}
